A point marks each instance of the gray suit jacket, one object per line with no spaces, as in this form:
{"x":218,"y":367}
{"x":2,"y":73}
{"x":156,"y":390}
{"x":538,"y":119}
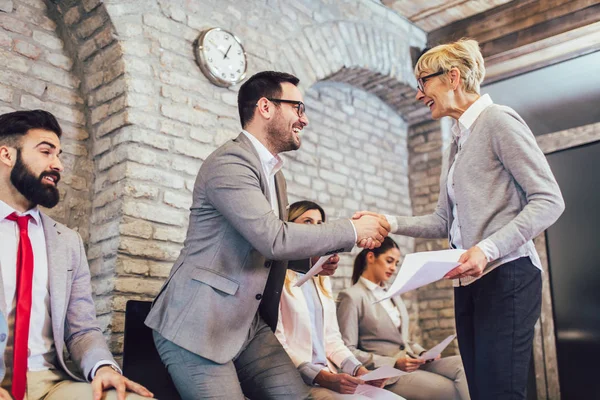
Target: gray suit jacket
{"x":368,"y":330}
{"x":74,"y":325}
{"x":234,"y":244}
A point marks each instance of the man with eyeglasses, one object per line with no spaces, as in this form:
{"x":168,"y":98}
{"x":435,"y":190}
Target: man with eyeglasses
{"x":214,"y":318}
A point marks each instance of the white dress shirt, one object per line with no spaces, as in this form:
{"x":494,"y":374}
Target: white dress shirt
{"x":42,"y":353}
{"x":460,"y":131}
{"x":271,"y":164}
{"x":379,"y":293}
{"x":41,"y":342}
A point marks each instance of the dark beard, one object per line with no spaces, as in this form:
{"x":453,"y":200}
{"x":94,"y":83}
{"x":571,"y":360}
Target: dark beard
{"x":32,"y":188}
{"x":276,"y":132}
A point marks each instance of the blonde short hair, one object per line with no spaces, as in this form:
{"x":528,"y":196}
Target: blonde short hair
{"x":463,"y":54}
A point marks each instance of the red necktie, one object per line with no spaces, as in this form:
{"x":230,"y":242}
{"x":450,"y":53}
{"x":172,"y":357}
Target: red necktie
{"x":23,"y":312}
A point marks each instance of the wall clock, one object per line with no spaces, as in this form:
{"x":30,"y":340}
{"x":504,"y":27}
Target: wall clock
{"x":221,"y":57}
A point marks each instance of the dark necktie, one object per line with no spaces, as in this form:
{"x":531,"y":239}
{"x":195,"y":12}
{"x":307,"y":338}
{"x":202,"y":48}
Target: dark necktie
{"x":23,"y":311}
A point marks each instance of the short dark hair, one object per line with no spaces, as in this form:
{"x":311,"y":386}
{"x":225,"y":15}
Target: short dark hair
{"x":15,"y":125}
{"x":262,"y":84}
{"x":360,"y":262}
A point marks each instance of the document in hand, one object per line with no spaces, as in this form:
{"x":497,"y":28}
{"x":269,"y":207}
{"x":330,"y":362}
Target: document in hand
{"x":318,"y":267}
{"x":384,"y":372}
{"x":420,"y":269}
{"x":373,"y":392}
{"x":437,"y":349}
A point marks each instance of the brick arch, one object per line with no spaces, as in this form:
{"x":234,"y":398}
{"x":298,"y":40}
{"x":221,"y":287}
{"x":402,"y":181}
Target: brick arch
{"x":375,"y":60}
{"x":89,"y":36}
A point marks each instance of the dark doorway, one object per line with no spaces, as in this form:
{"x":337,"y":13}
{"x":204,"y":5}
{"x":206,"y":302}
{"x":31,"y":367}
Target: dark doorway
{"x":574,"y":262}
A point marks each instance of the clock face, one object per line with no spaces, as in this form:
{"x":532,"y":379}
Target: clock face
{"x":221,"y":57}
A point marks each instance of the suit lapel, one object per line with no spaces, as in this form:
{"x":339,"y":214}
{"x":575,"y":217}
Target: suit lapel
{"x":280,"y":189}
{"x":57,"y":276}
{"x":245,"y":142}
{"x":379,"y":309}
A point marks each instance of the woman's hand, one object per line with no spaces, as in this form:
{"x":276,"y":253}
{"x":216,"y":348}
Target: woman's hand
{"x":473,"y":261}
{"x":340,"y":383}
{"x":330,"y":265}
{"x":408,"y":364}
{"x":378,"y":383}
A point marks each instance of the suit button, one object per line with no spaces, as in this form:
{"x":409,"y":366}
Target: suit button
{"x":402,"y":347}
{"x":258,"y":296}
{"x":268,"y":264}
{"x":2,"y":337}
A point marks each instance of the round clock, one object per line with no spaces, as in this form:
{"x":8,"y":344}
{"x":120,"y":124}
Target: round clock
{"x":221,"y":57}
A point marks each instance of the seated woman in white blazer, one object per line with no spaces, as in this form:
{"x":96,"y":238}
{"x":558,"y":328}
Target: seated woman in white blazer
{"x":308,"y":329}
{"x":377,"y":333}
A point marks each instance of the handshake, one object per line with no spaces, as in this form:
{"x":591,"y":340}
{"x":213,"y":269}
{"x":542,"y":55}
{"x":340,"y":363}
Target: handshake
{"x":371,"y":229}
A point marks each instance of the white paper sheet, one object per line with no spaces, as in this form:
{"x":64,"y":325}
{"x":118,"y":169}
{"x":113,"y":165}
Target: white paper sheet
{"x":318,"y":267}
{"x":384,"y":372}
{"x":420,"y":269}
{"x":437,"y":349}
{"x":373,"y":392}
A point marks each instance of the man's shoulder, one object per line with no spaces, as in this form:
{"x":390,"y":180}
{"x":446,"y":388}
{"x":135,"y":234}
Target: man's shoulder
{"x":229,"y":151}
{"x":65,"y":232}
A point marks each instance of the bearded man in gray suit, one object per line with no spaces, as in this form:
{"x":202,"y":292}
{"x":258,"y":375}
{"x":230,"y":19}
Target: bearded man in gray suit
{"x":46,"y":303}
{"x":215,"y":316}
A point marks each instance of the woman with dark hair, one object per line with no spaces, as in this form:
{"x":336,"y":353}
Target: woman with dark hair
{"x":307,"y":327}
{"x":378,"y":332}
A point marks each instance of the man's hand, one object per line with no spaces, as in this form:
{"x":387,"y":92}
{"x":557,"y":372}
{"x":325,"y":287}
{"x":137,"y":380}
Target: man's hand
{"x":107,"y":378}
{"x":371,"y":230}
{"x":378,"y":383}
{"x":330,"y":265}
{"x":4,"y":395}
{"x":408,"y":364}
{"x":340,"y":383}
{"x":473,"y":262}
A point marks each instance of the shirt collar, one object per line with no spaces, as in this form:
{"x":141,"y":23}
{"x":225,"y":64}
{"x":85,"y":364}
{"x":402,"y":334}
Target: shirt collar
{"x":6,"y":210}
{"x":468,"y":118}
{"x":272,"y":163}
{"x":372,"y":286}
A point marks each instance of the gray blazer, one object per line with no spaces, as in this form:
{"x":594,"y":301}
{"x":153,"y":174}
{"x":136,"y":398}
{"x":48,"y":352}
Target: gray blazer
{"x":74,"y":325}
{"x":368,"y":330}
{"x":234,"y":243}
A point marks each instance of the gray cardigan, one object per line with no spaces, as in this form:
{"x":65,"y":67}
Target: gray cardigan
{"x":504,"y":188}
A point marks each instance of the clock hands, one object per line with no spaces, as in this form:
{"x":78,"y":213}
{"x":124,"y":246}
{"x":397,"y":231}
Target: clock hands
{"x":227,"y":52}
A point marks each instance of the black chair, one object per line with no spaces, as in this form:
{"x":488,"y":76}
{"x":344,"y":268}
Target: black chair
{"x":141,"y":362}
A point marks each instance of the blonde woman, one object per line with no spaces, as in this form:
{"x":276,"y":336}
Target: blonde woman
{"x":497,"y":193}
{"x":308,"y":330}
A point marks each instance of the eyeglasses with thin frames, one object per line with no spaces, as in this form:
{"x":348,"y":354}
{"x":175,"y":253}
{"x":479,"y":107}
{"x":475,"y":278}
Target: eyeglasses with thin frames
{"x":421,"y":81}
{"x":299,"y":106}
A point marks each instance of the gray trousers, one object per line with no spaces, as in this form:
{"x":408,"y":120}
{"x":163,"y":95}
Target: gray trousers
{"x":442,"y":379}
{"x":261,"y":370}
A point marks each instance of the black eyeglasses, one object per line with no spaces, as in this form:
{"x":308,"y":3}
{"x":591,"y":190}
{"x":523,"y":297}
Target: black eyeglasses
{"x":421,"y":81}
{"x":299,"y":106}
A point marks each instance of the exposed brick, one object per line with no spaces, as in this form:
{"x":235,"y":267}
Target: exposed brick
{"x":60,"y":61}
{"x":6,"y":6}
{"x":48,"y":40}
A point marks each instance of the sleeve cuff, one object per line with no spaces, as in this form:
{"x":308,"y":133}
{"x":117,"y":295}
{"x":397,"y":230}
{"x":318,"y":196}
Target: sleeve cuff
{"x":309,"y":372}
{"x":490,"y":250}
{"x":350,"y":365}
{"x":355,"y":233}
{"x":102,"y":363}
{"x":393,"y":221}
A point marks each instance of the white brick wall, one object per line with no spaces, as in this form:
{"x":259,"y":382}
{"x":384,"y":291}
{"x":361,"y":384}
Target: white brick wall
{"x":36,"y":72}
{"x":140,"y":117}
